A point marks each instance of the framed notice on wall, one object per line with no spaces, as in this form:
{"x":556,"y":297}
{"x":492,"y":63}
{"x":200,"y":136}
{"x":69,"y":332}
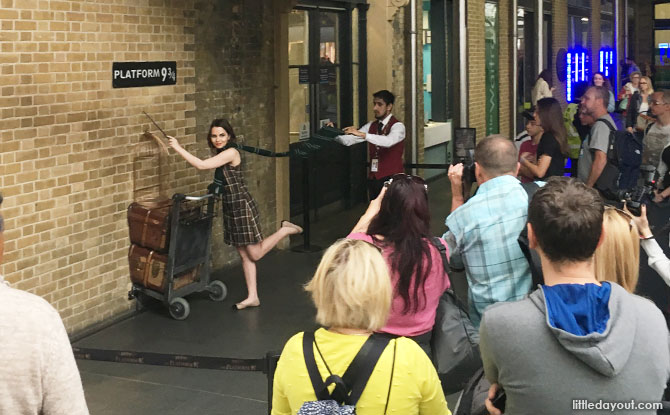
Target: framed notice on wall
{"x":138,"y":74}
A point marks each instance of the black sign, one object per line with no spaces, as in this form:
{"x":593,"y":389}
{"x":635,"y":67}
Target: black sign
{"x":133,"y":74}
{"x":303,"y":75}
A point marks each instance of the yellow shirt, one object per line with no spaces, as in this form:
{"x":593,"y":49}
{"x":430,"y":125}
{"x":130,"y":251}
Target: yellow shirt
{"x":416,"y":388}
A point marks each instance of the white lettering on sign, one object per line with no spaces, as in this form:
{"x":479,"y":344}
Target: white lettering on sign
{"x":144,"y":73}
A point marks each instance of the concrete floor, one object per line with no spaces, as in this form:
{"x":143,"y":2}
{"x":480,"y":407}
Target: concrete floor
{"x":214,"y":329}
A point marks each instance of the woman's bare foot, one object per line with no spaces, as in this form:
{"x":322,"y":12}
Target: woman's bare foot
{"x":286,"y":224}
{"x":246,"y":303}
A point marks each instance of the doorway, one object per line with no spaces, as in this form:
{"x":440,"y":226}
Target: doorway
{"x":325,"y":70}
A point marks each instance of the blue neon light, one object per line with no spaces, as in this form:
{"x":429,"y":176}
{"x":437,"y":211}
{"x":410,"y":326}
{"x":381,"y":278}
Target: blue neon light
{"x":602,"y":61}
{"x":569,"y":89}
{"x":583,"y":71}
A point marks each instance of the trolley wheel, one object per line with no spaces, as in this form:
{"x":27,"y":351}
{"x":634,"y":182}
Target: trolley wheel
{"x":179,"y":308}
{"x":217,"y":290}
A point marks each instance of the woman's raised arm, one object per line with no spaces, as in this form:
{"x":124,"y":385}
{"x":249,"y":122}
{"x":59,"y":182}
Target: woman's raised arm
{"x":224,"y":157}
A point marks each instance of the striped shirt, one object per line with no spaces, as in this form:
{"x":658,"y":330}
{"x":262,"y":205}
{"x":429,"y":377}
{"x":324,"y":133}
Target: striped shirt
{"x":482,"y":236}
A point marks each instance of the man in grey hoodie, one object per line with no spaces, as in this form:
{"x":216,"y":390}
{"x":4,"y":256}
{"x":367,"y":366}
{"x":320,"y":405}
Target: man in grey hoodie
{"x":574,"y":342}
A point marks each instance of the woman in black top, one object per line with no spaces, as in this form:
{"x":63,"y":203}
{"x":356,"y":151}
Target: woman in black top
{"x":553,"y":147}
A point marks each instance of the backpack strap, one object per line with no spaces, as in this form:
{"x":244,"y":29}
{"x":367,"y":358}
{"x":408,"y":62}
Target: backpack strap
{"x":610,"y":142}
{"x":360,"y":369}
{"x":356,"y":375}
{"x":532,"y":256}
{"x":530,"y":188}
{"x":443,"y":253}
{"x":320,"y":389}
{"x":607,"y":123}
{"x":646,"y":130}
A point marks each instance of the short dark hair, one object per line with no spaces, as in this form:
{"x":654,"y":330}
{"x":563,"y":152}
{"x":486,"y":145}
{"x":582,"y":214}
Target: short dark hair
{"x":223,"y":123}
{"x":567,"y":218}
{"x":385,"y":95}
{"x":496,"y":155}
{"x":602,"y":93}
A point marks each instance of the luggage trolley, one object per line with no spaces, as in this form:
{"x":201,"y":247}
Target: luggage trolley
{"x":186,"y":268}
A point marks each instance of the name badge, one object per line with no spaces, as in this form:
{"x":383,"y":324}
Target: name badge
{"x":374,"y":165}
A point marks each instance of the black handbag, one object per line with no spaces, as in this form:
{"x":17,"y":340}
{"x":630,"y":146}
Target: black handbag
{"x":455,"y":340}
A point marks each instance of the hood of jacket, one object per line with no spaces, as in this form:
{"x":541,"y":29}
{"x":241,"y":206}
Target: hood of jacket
{"x":590,"y":321}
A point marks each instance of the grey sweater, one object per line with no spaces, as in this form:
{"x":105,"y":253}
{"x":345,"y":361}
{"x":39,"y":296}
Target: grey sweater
{"x":542,"y":369}
{"x":38,"y":373}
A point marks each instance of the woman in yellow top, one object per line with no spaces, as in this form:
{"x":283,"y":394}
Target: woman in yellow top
{"x":352,"y":293}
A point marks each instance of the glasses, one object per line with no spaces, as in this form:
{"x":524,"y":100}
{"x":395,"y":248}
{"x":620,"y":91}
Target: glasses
{"x":624,"y":214}
{"x":403,"y":176}
{"x":643,"y":83}
{"x":659,"y":102}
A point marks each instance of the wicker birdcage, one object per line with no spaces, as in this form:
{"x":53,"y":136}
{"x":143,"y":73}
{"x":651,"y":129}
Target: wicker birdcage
{"x":150,"y":171}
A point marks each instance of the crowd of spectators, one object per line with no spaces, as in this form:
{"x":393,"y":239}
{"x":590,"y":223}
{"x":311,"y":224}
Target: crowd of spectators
{"x":581,"y":332}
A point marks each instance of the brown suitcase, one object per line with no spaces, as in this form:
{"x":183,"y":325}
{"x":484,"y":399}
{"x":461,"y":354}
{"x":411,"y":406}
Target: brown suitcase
{"x":149,"y":227}
{"x":147,"y":268}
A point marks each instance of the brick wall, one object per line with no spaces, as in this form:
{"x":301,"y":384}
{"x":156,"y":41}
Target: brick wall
{"x":642,"y":37}
{"x":67,"y":136}
{"x":234,"y":68}
{"x":476,"y":67}
{"x":559,"y":40}
{"x":505,"y":66}
{"x":595,"y":36}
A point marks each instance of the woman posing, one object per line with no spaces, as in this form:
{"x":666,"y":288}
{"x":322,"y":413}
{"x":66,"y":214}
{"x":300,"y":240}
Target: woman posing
{"x":553,"y":146}
{"x":398,"y":221}
{"x":241,"y":224}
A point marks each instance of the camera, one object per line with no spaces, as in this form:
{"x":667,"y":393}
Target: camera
{"x":636,"y":197}
{"x":640,"y":194}
{"x":464,"y":152}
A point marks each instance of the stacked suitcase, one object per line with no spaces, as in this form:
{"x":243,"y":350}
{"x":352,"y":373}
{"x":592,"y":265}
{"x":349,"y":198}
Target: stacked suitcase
{"x":169,"y":255}
{"x":149,"y":229}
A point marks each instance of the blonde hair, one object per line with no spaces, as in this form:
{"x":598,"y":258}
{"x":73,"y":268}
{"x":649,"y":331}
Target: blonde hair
{"x":617,"y":259}
{"x":351,"y":287}
{"x":650,"y":87}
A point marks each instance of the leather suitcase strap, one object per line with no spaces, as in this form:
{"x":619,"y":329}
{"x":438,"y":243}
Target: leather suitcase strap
{"x":145,"y":227}
{"x":147,"y":268}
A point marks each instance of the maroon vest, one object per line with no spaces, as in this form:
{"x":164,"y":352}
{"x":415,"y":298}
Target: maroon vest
{"x":390,"y":159}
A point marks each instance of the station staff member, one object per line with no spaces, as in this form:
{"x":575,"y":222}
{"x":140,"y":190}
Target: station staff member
{"x":385,"y":137}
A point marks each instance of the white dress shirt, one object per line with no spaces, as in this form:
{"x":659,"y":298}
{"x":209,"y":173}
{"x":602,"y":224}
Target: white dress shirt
{"x":396,"y":135}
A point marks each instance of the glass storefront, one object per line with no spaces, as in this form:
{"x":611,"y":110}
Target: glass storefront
{"x":325,"y":48}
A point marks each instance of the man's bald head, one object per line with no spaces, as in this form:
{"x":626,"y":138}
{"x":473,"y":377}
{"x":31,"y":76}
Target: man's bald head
{"x":497,"y":156}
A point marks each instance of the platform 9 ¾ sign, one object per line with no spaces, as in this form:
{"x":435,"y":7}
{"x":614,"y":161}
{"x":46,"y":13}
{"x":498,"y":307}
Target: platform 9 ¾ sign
{"x":134,"y":74}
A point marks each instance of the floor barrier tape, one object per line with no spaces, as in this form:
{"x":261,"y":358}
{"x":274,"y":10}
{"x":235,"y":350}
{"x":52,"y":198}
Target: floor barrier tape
{"x":172,"y":360}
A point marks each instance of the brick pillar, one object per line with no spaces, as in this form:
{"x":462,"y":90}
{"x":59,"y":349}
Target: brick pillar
{"x":505,"y":21}
{"x":559,"y":40}
{"x":595,"y":40}
{"x":476,"y":67}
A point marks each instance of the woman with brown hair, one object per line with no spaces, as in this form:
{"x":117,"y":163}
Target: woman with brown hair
{"x":553,"y":147}
{"x":398,"y":222}
{"x":241,"y":223}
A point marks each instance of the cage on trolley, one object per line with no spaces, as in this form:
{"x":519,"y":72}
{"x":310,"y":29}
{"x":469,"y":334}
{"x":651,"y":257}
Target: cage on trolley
{"x":169,"y":256}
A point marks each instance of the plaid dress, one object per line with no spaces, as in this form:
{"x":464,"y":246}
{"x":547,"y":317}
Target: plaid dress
{"x":241,"y":223}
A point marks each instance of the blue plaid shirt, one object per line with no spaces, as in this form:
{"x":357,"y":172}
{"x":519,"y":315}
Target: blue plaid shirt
{"x":482,"y":236}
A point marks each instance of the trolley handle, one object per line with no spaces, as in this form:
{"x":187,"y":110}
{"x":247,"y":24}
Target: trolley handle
{"x":179,"y":196}
{"x":195,"y":198}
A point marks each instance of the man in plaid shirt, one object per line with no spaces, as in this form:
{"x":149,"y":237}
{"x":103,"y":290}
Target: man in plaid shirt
{"x":482,"y":233}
